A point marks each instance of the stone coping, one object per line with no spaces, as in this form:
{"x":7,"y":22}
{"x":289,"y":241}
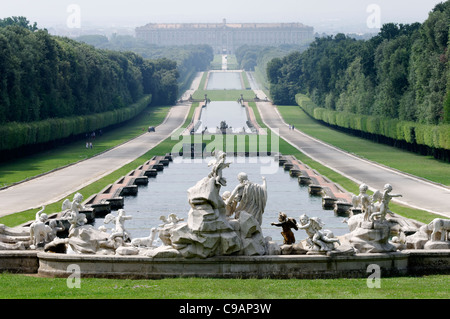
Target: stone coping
{"x":399,"y":263}
{"x":18,"y":253}
{"x":19,"y":261}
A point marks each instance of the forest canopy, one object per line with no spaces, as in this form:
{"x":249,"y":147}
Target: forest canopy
{"x":401,"y":73}
{"x":44,"y":76}
{"x":189,"y":59}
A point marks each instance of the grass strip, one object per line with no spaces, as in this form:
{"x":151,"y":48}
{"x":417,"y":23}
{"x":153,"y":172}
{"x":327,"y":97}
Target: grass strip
{"x":426,"y":287}
{"x":247,"y":85}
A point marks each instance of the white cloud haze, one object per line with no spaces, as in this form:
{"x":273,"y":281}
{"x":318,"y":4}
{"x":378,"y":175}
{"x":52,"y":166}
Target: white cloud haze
{"x":48,"y":13}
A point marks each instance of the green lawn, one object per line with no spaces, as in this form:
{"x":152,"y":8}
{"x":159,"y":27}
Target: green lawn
{"x":245,"y":80}
{"x":232,"y":63}
{"x":27,"y":167}
{"x":423,"y":166}
{"x":216,"y":63}
{"x":434,"y":287}
{"x":203,"y":80}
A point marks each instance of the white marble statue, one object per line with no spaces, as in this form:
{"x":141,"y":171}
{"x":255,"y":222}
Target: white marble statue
{"x":363,"y":200}
{"x":230,"y":207}
{"x":119,"y":231}
{"x":250,"y":197}
{"x":71,"y":212}
{"x":85,"y":239}
{"x":55,"y":226}
{"x":440,"y":229}
{"x":434,"y":235}
{"x":318,"y":238}
{"x":145,"y":241}
{"x":39,"y":230}
{"x":217,"y":167}
{"x":208,"y":230}
{"x":384,"y":206}
{"x":164,"y":230}
{"x":370,"y":232}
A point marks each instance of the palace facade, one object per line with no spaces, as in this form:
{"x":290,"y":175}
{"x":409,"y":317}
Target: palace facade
{"x":225,"y":37}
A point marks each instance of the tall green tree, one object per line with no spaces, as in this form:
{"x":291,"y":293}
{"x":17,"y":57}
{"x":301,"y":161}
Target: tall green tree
{"x":401,"y":73}
{"x":44,"y":76}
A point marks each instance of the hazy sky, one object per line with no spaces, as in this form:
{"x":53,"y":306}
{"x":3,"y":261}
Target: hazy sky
{"x":48,"y":13}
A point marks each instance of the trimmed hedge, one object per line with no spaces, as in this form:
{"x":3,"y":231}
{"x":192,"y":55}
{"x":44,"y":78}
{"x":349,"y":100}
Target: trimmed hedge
{"x":14,"y":135}
{"x":433,"y":136}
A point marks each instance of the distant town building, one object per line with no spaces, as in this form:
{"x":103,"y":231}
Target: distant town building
{"x":225,"y":37}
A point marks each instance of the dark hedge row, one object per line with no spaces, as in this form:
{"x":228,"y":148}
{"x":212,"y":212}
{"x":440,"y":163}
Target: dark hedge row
{"x":14,"y":135}
{"x":432,"y":136}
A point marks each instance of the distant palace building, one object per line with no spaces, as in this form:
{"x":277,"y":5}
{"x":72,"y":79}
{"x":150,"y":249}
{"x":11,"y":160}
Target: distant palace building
{"x":225,"y":37}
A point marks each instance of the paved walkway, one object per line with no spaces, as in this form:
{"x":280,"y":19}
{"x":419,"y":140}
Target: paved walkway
{"x":59,"y":184}
{"x":416,"y":192}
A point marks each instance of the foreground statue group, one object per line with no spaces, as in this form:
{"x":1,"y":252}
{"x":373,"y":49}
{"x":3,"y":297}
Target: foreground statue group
{"x":230,"y":224}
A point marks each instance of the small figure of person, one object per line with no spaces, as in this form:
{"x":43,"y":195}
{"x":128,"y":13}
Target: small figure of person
{"x":286,"y":223}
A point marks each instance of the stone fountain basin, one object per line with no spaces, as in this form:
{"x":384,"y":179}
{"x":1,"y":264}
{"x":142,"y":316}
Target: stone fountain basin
{"x":401,"y":263}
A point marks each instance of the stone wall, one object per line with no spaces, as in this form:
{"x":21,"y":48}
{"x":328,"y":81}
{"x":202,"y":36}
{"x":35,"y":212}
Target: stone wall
{"x":283,"y":266}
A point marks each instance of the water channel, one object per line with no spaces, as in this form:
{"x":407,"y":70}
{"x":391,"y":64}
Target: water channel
{"x":224,"y":81}
{"x":233,"y":113}
{"x":167,"y":193}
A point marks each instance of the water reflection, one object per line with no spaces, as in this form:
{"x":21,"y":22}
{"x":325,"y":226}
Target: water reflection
{"x":224,"y":81}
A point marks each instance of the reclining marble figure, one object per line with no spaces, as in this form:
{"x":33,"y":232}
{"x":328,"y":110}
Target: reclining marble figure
{"x":318,"y":238}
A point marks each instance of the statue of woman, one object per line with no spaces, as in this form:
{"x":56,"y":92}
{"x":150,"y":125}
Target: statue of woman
{"x":251,"y":197}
